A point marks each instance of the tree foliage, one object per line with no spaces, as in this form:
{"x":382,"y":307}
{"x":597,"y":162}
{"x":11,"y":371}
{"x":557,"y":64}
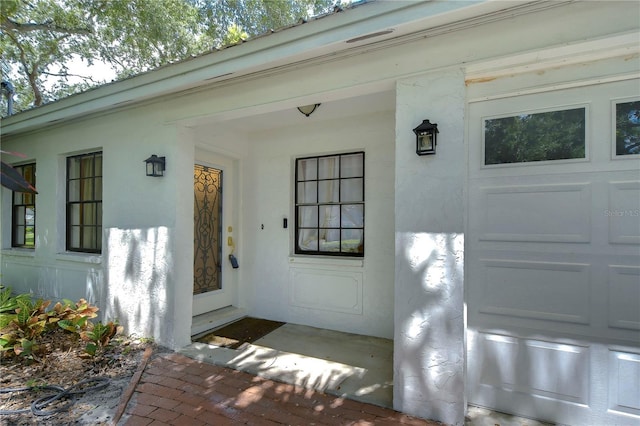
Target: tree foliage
{"x":628,"y":128}
{"x":543,"y":136}
{"x":41,"y":39}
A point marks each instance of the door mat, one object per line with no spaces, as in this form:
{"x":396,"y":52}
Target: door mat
{"x":234,"y":335}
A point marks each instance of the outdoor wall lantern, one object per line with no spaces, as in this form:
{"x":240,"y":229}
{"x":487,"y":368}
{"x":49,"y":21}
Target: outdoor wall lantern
{"x":155,"y":166}
{"x":308,"y":109}
{"x":426,"y":136}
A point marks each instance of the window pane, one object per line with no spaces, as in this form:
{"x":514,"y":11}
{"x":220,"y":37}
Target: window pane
{"x":328,"y":167}
{"x":307,"y":192}
{"x":74,"y":190}
{"x":98,"y":165}
{"x":28,"y":173}
{"x":75,"y":237}
{"x":352,"y":241}
{"x":628,"y":128}
{"x":30,"y":236}
{"x":353,"y":216}
{"x":351,"y":190}
{"x":99,"y":207}
{"x":308,"y":216}
{"x":99,"y":238}
{"x":86,"y":166}
{"x":329,"y":240}
{"x":19,"y":213}
{"x":98,"y":188}
{"x":19,"y":236}
{"x":329,"y":216}
{"x":328,"y":191}
{"x":73,"y":166}
{"x":351,"y":166}
{"x":307,"y":169}
{"x":86,"y":189}
{"x":89,"y":214}
{"x":74,"y":214}
{"x":555,"y":135}
{"x":89,"y":237}
{"x":308,"y":240}
{"x":30,"y":216}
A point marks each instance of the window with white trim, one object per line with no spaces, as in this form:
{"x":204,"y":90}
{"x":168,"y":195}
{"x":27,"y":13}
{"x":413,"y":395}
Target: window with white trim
{"x":84,"y":203}
{"x":329,"y":203}
{"x":23,"y":211}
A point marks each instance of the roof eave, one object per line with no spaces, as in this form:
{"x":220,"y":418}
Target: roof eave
{"x":262,"y":53}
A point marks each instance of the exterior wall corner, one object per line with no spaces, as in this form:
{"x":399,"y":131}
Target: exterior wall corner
{"x":429,"y":353}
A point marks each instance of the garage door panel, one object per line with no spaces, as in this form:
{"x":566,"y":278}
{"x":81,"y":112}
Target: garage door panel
{"x":549,"y":291}
{"x":624,"y":212}
{"x":535,"y":213}
{"x":624,"y":382}
{"x":568,"y":381}
{"x":624,"y":297}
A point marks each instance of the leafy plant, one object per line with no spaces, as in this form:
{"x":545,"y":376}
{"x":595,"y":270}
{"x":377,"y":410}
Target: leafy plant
{"x":99,"y":336}
{"x":22,"y":327}
{"x":23,"y":322}
{"x":74,"y":317}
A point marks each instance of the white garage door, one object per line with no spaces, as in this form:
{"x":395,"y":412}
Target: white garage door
{"x":553,"y":254}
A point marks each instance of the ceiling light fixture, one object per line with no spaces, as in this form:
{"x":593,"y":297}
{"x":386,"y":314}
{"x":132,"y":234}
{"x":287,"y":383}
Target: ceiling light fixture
{"x":308,"y":109}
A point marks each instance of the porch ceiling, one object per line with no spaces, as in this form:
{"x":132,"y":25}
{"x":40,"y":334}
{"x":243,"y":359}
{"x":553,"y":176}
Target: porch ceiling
{"x":285,"y":114}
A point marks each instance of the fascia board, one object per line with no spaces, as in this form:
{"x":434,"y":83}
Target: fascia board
{"x":318,"y":37}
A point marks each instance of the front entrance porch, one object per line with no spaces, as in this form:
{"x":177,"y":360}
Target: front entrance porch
{"x":342,"y":364}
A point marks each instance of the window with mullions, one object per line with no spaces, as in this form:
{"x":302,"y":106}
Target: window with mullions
{"x":23,"y":217}
{"x":330,"y":205}
{"x":84,"y":203}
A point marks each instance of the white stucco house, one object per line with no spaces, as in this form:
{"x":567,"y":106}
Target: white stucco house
{"x":506,"y":266}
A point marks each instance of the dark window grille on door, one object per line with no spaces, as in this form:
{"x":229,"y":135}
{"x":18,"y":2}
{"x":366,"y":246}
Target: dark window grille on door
{"x":207,"y":229}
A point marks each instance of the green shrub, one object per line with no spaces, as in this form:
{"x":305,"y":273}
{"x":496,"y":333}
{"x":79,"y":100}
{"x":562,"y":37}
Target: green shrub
{"x":23,"y":323}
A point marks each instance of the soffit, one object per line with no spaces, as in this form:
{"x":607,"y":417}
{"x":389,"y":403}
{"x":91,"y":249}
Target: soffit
{"x":320,"y":38}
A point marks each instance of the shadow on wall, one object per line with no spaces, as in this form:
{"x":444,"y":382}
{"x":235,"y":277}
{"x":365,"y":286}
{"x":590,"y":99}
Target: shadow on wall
{"x":429,"y":367}
{"x":137,"y":266}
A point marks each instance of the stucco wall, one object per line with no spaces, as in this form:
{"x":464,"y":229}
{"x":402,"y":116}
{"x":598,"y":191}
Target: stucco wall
{"x":358,"y":295}
{"x":429,"y":211}
{"x":135,"y":279}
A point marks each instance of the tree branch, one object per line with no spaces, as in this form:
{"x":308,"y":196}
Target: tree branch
{"x":9,"y":24}
{"x":66,"y":74}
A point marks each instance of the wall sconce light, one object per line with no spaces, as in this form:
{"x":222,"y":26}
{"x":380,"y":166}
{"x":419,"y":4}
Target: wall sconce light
{"x":426,"y":137}
{"x":308,"y":109}
{"x":155,"y":165}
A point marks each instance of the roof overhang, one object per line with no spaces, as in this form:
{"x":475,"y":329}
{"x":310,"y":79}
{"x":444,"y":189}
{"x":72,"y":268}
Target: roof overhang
{"x":341,"y":33}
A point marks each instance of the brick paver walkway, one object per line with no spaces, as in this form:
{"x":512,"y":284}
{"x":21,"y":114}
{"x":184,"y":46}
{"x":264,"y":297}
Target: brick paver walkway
{"x":176,"y":390}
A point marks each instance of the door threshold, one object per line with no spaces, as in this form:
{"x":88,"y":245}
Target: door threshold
{"x":208,"y":321}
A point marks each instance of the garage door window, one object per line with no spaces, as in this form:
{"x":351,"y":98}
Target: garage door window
{"x":628,"y":128}
{"x":530,"y":137}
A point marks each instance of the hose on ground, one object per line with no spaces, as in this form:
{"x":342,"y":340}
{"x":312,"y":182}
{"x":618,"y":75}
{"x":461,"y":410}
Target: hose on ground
{"x":38,"y":406}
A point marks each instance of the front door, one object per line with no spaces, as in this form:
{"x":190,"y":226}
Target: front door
{"x":213,"y":242}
